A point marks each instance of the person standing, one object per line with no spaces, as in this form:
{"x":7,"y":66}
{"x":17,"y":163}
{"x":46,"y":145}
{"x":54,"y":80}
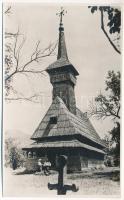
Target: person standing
{"x":40,"y":164}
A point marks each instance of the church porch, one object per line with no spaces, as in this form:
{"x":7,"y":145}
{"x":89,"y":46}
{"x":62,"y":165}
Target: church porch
{"x":77,"y":158}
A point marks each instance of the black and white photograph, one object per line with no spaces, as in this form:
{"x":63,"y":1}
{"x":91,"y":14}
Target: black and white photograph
{"x":61,"y":100}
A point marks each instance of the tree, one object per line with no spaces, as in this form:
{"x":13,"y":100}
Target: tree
{"x":106,"y":106}
{"x":14,"y":44}
{"x":13,"y":153}
{"x":111,"y":20}
{"x":115,"y":137}
{"x":112,"y":141}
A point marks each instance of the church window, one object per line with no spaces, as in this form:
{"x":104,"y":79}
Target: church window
{"x":53,"y":120}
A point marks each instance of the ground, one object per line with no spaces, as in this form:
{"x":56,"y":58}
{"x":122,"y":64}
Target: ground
{"x":92,"y":182}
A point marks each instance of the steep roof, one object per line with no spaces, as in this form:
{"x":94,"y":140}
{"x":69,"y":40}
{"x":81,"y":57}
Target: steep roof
{"x":67,"y":123}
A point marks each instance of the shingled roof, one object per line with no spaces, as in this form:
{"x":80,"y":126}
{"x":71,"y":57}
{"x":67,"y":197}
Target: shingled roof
{"x":62,"y":63}
{"x":62,"y":144}
{"x":67,"y":124}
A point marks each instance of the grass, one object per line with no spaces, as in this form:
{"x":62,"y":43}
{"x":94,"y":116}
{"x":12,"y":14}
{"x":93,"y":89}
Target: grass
{"x":95,"y":183}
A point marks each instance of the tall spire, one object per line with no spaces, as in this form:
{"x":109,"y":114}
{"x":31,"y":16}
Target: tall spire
{"x":62,"y":57}
{"x":62,"y":51}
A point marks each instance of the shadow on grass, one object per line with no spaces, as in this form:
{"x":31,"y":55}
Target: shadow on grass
{"x":111,"y":175}
{"x":24,"y":172}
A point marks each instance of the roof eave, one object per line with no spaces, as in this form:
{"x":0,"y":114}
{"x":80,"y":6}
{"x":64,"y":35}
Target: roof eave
{"x":60,"y":136}
{"x":50,"y":69}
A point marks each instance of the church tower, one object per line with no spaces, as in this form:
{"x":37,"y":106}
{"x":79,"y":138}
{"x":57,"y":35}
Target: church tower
{"x":65,"y":129}
{"x":62,"y":73}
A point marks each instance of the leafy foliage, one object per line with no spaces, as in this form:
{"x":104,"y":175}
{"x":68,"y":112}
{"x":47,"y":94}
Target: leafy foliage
{"x":114,"y":17}
{"x":115,"y":133}
{"x":115,"y":136}
{"x":13,"y":154}
{"x":113,"y":22}
{"x":108,"y":105}
{"x":113,"y":145}
{"x":113,"y":84}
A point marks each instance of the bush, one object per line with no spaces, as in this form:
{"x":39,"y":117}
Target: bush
{"x":14,"y":157}
{"x":116,"y":176}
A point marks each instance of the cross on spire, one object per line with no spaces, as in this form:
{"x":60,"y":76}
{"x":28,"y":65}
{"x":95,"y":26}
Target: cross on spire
{"x":62,"y":52}
{"x":61,"y":14}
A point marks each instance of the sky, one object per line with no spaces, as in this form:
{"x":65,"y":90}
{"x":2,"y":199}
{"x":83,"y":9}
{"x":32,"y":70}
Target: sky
{"x":88,"y":50}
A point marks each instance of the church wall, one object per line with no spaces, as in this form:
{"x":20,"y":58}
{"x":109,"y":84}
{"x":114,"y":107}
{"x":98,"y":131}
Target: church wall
{"x":31,"y":164}
{"x":72,"y":101}
{"x":90,"y":159}
{"x":77,"y":159}
{"x":84,"y":162}
{"x":84,"y":159}
{"x":95,"y":159}
{"x":66,"y":92}
{"x":95,"y":163}
{"x":73,"y":163}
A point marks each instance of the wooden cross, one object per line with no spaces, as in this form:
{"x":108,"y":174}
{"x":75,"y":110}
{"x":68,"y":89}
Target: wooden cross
{"x":61,"y":188}
{"x":61,"y":14}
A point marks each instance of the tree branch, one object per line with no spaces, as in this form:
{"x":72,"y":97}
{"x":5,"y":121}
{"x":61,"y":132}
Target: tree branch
{"x":103,"y":28}
{"x":36,"y":55}
{"x":101,"y":110}
{"x":32,"y":71}
{"x":32,"y":98}
{"x":15,"y":46}
{"x":8,"y":10}
{"x":19,"y":49}
{"x":10,"y":76}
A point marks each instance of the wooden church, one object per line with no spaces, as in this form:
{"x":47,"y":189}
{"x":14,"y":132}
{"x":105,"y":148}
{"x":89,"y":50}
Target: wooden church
{"x":65,"y":130}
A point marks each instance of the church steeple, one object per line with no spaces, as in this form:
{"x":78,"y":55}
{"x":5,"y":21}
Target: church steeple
{"x":62,"y":51}
{"x":62,"y":73}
